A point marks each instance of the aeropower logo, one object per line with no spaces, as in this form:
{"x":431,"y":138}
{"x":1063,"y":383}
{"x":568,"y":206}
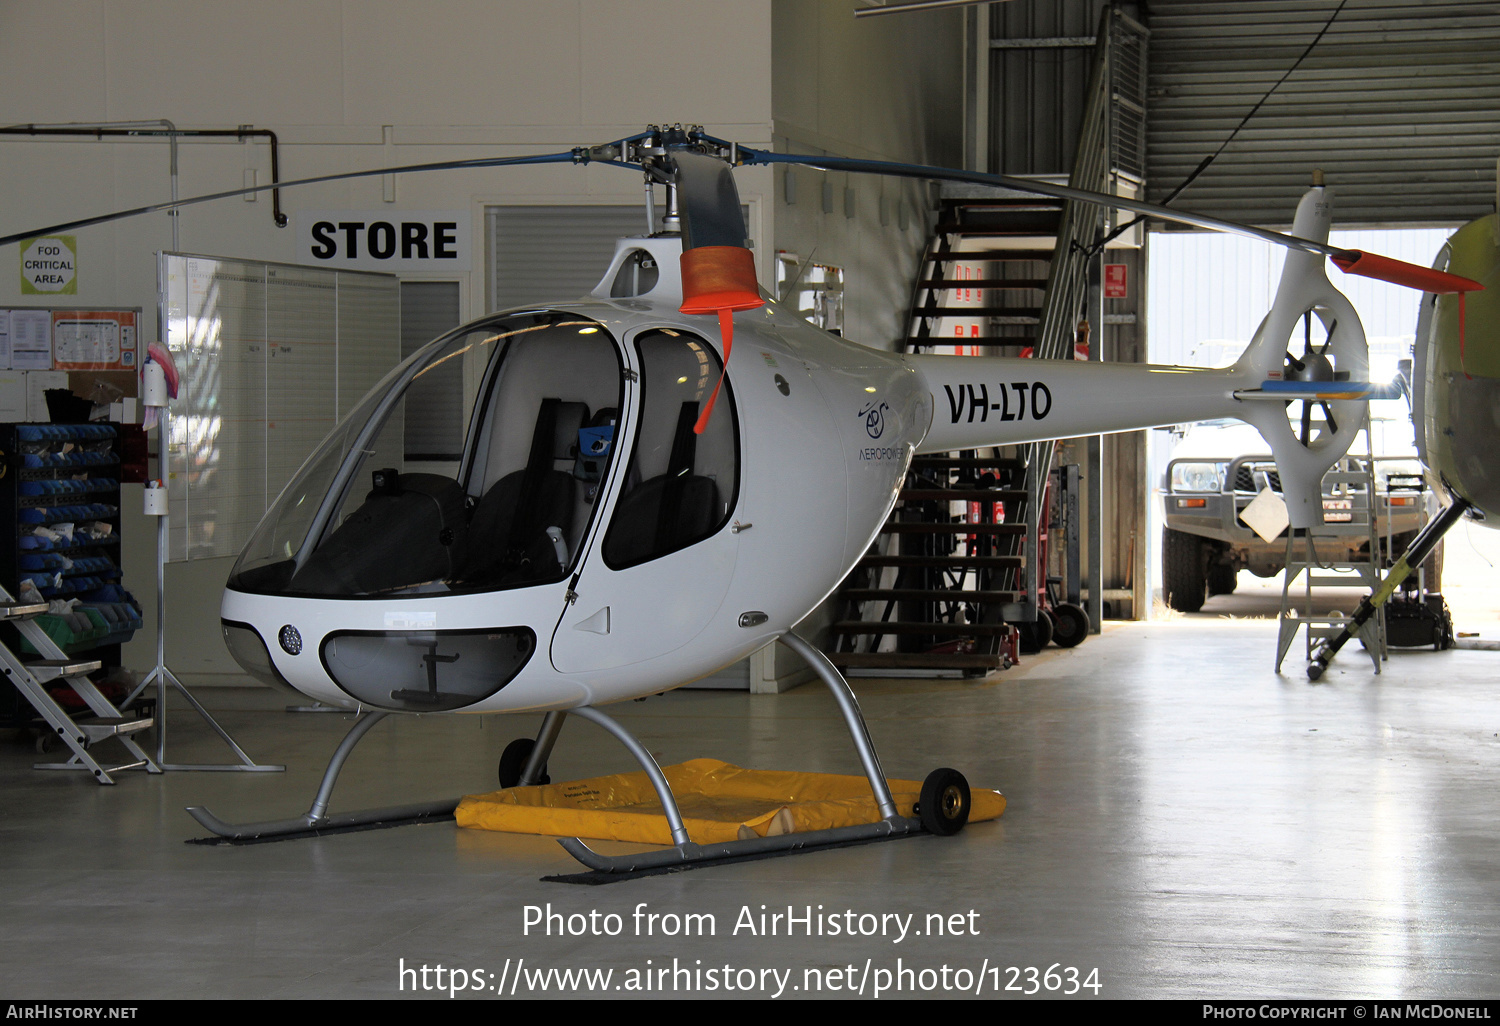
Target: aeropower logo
{"x":874,"y":417}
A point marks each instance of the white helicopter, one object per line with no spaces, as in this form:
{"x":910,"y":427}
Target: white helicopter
{"x":619,"y":524}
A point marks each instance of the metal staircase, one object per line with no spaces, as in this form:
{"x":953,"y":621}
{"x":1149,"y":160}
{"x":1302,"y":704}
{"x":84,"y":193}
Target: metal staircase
{"x":1004,"y":274}
{"x":1009,"y":239}
{"x":943,"y":595}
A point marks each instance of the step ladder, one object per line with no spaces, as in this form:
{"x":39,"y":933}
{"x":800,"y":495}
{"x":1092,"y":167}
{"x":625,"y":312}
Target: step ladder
{"x":30,"y":678}
{"x":1349,"y":509}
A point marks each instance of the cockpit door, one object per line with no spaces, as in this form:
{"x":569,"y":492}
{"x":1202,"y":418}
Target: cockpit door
{"x":659,"y":568}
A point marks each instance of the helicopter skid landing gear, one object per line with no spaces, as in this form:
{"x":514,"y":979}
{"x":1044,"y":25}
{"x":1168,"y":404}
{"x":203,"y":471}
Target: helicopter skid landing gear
{"x":684,"y":853}
{"x":948,"y":792}
{"x":317,"y":819}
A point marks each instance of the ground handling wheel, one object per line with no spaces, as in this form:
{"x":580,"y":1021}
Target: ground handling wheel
{"x":944,"y":804}
{"x":513,"y":762}
{"x":1070,"y":625}
{"x":1035,"y":636}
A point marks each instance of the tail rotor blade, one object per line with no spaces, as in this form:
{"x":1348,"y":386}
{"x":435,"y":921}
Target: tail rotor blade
{"x":1332,"y":327}
{"x":1333,"y":425}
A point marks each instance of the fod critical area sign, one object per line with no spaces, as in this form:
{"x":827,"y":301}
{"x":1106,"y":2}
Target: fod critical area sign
{"x":49,"y":266}
{"x":385,"y":240}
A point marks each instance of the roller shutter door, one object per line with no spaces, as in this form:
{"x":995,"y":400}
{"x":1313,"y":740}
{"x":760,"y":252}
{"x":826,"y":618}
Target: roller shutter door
{"x":1399,"y":104}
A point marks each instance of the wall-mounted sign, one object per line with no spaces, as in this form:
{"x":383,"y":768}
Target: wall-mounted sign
{"x":49,"y":266}
{"x":1114,"y":281}
{"x":385,"y":240}
{"x":101,"y":340}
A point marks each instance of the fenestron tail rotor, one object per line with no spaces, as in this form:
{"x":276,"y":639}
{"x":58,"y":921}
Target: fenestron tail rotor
{"x":1315,"y":365}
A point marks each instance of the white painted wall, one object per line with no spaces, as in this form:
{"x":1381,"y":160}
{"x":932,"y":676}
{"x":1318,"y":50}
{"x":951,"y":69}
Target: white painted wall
{"x":352,"y":84}
{"x":885,"y":88}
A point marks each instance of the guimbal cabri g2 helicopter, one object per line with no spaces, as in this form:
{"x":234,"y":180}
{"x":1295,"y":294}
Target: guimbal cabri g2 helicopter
{"x":619,"y":523}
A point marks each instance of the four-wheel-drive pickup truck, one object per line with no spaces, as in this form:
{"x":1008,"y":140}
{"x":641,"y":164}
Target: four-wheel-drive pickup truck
{"x":1206,"y":543}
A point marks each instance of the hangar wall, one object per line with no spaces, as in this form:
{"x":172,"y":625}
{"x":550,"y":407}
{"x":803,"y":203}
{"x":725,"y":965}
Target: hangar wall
{"x":888,"y":88}
{"x":350,"y":86}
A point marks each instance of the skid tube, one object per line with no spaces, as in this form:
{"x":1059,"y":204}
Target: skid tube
{"x":317,"y":820}
{"x":685,"y":854}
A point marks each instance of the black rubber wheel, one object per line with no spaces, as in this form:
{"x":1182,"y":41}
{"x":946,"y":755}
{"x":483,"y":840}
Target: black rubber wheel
{"x":1070,"y":625}
{"x":944,"y":804}
{"x":1223,"y":578}
{"x":1184,"y":570}
{"x":1035,"y":636}
{"x":513,"y":762}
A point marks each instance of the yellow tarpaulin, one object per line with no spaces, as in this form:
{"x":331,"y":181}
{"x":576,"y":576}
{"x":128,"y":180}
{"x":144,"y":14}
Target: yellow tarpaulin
{"x":719,"y":802}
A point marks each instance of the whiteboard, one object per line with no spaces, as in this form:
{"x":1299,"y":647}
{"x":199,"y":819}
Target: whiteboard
{"x":271,"y":356}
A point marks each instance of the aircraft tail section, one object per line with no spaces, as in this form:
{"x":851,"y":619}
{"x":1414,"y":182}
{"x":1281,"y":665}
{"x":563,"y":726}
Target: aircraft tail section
{"x":1289,"y":366}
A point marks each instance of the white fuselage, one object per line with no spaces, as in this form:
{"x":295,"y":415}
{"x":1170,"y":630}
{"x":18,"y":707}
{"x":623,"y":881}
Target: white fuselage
{"x":825,"y":433}
{"x":820,"y":468}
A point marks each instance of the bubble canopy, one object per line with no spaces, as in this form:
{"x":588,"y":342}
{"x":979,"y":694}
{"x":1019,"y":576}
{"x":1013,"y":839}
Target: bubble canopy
{"x":362,"y":518}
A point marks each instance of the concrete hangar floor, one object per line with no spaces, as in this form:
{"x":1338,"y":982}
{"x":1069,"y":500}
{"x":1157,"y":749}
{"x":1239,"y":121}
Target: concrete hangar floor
{"x":1182,"y":823}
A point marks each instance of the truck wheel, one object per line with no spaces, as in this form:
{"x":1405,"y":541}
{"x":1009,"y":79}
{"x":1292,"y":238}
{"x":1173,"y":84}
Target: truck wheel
{"x":1184,"y":570}
{"x":1223,"y":578}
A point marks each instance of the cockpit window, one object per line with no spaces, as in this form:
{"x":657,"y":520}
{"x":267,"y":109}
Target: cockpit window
{"x":680,"y":486}
{"x":360,"y":519}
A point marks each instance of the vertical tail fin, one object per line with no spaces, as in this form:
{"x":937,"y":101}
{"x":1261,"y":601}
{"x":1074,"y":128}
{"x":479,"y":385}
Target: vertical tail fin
{"x":1302,"y":458}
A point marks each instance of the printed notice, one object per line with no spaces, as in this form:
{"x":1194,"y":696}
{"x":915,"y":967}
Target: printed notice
{"x":30,"y":340}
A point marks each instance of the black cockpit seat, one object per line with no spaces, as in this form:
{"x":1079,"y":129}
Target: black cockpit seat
{"x":508,"y":541}
{"x":403,"y":535}
{"x":668,"y":512}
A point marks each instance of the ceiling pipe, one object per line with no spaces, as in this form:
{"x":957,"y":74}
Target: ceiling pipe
{"x":173,"y":133}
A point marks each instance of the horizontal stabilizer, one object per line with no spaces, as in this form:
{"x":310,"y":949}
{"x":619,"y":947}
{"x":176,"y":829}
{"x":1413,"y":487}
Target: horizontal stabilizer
{"x":1285,"y":391}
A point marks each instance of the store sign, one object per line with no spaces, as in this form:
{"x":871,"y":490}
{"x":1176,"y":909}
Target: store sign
{"x":385,"y":240}
{"x":49,"y":266}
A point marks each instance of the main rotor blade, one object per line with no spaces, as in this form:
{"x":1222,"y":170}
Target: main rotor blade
{"x":572,"y":156}
{"x":1066,"y":192}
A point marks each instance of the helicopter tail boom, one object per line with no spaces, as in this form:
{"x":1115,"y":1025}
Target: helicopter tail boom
{"x":999,"y":401}
{"x":986,"y":401}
